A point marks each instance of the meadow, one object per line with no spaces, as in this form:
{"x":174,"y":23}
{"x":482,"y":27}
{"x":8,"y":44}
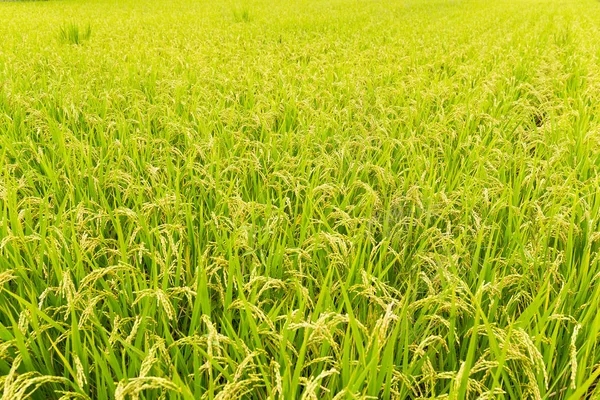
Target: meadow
{"x":267,"y":199}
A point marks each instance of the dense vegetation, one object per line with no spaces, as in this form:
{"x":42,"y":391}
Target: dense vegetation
{"x":310,"y":199}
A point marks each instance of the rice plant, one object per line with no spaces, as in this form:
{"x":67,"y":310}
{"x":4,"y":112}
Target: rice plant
{"x":338,"y":200}
{"x":241,"y":14}
{"x":71,"y":33}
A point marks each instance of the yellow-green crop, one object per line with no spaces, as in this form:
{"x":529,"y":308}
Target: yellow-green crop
{"x":316,"y":199}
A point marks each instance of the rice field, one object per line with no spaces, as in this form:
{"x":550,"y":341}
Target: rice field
{"x":311,"y":199}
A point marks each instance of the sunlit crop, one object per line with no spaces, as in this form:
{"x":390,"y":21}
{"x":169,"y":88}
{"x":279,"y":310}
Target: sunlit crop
{"x":313,"y":199}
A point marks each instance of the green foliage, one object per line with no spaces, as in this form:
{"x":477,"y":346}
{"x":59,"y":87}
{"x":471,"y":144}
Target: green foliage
{"x":341,"y":199}
{"x":71,"y":33}
{"x":241,"y":14}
